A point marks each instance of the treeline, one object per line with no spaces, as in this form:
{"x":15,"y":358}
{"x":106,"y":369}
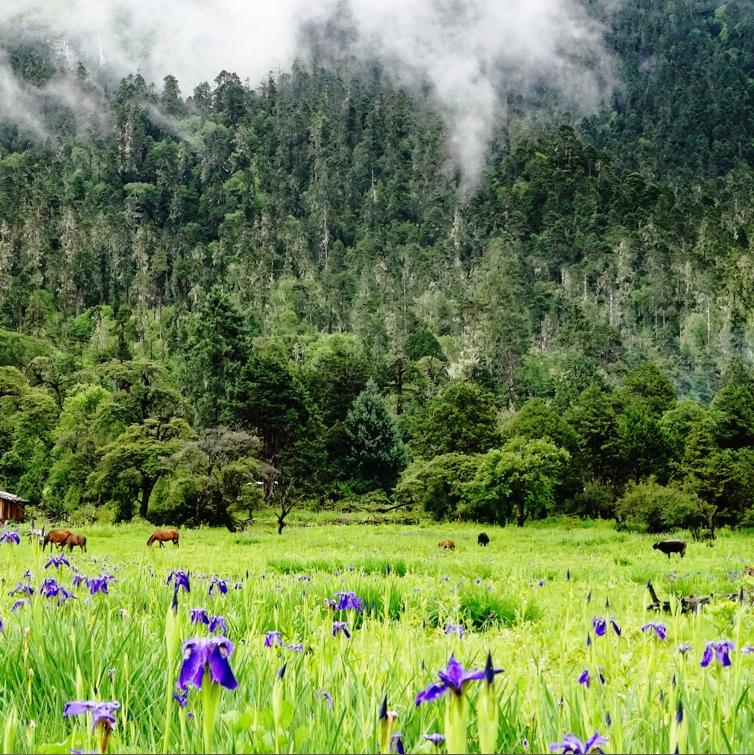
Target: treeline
{"x":237,"y":424}
{"x":284,"y":283}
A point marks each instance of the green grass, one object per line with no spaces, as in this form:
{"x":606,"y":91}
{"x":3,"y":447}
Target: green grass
{"x":512,"y":598}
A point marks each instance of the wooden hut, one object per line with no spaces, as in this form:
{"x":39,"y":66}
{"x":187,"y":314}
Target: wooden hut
{"x":11,"y":507}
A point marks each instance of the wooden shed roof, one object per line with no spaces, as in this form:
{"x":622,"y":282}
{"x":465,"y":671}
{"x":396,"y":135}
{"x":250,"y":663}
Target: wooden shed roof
{"x":12,"y":498}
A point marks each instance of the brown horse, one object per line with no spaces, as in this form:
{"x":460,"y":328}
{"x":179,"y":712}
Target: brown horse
{"x":72,"y":540}
{"x":447,"y":545}
{"x":56,"y":537}
{"x":164,"y":536}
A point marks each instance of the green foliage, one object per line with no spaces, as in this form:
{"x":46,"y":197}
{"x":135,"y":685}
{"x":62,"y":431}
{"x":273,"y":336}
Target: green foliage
{"x":650,"y":389}
{"x":596,"y":281}
{"x":515,"y":483}
{"x":374,"y":453}
{"x":482,"y":609}
{"x":216,"y":348}
{"x":268,"y":400}
{"x":461,"y":419}
{"x":651,"y":507}
{"x":438,"y":484}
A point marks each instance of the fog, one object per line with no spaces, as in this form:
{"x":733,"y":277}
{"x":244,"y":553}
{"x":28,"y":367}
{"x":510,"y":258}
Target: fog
{"x":470,"y":54}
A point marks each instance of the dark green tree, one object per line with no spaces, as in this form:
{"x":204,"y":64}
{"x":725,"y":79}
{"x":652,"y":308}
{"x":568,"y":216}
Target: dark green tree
{"x":216,"y":349}
{"x":374,"y":453}
{"x":462,"y":419}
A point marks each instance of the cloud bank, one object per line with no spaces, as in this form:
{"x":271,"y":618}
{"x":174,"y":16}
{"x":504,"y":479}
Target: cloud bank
{"x":472,"y":54}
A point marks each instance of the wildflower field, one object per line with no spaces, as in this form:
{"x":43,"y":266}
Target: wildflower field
{"x":255,"y":642}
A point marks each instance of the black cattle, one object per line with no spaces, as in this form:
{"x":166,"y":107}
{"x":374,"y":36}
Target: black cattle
{"x":671,"y":546}
{"x":483,"y":539}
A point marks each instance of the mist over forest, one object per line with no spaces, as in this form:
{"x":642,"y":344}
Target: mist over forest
{"x":487,"y":263}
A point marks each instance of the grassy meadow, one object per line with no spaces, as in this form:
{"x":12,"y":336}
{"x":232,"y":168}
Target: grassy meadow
{"x":514,"y":600}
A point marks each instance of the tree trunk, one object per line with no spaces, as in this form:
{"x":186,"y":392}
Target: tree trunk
{"x":147,"y":485}
{"x":711,"y":524}
{"x":520,"y":515}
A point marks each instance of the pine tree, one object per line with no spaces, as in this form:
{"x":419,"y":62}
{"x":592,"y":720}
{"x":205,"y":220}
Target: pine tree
{"x":375,"y":455}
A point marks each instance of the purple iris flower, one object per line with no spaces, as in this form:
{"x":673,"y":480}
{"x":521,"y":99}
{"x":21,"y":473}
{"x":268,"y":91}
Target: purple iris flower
{"x":295,"y":648}
{"x":455,"y":629}
{"x":78,"y":578}
{"x":11,"y":537}
{"x":585,"y":678}
{"x":478,"y":581}
{"x":99,"y":584}
{"x":23,"y":588}
{"x":684,"y":648}
{"x":64,"y":595}
{"x":615,"y":627}
{"x":453,"y":678}
{"x":600,"y":627}
{"x":101,"y":712}
{"x":331,"y":603}
{"x":181,"y":697}
{"x":210,"y":654}
{"x":435,"y":739}
{"x":659,"y":629}
{"x":573,"y":745}
{"x":198,"y":615}
{"x":542,"y":582}
{"x":219,"y":584}
{"x":238,"y":586}
{"x":273,"y":637}
{"x":218,"y":622}
{"x":49,"y":588}
{"x":747,"y":650}
{"x":396,"y":743}
{"x":322,"y":695}
{"x":179,"y":578}
{"x":347,"y":601}
{"x":304,"y":578}
{"x":57,"y":562}
{"x":340,"y":626}
{"x":720,"y":649}
{"x":18,"y":604}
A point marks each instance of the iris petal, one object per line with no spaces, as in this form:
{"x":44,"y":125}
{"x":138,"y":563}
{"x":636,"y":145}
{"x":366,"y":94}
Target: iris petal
{"x":192,"y":669}
{"x":432,"y":692}
{"x":219,"y":666}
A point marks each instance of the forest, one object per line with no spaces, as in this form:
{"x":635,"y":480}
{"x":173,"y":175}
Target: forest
{"x":275,"y":295}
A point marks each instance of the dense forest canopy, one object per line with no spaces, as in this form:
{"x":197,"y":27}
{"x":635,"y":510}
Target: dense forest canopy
{"x":284,"y":284}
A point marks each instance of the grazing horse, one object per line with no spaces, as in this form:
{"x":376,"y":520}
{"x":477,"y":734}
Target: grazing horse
{"x":162,"y":536}
{"x":72,"y":540}
{"x":56,"y":537}
{"x":447,"y":545}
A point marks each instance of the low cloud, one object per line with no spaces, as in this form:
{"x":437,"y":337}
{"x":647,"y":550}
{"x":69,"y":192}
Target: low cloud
{"x":471,"y":54}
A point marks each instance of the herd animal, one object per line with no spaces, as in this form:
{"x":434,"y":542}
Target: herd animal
{"x":164,"y":536}
{"x":63,"y":538}
{"x":671,"y":546}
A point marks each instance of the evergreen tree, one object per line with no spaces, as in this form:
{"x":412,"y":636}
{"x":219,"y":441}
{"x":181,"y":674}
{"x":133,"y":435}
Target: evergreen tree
{"x":374,"y":453}
{"x":216,"y":349}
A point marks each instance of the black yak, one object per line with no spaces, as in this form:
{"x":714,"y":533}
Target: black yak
{"x":483,"y":539}
{"x":671,"y":546}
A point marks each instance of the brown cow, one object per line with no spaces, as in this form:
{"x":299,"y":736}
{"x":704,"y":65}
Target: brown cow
{"x":56,"y":537}
{"x":72,"y":540}
{"x":447,"y":545}
{"x":164,"y":536}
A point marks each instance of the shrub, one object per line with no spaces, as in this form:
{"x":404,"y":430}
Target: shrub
{"x":650,"y":507}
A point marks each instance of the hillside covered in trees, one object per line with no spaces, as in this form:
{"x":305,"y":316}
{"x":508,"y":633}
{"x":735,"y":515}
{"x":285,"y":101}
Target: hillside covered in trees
{"x":201,"y":291}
